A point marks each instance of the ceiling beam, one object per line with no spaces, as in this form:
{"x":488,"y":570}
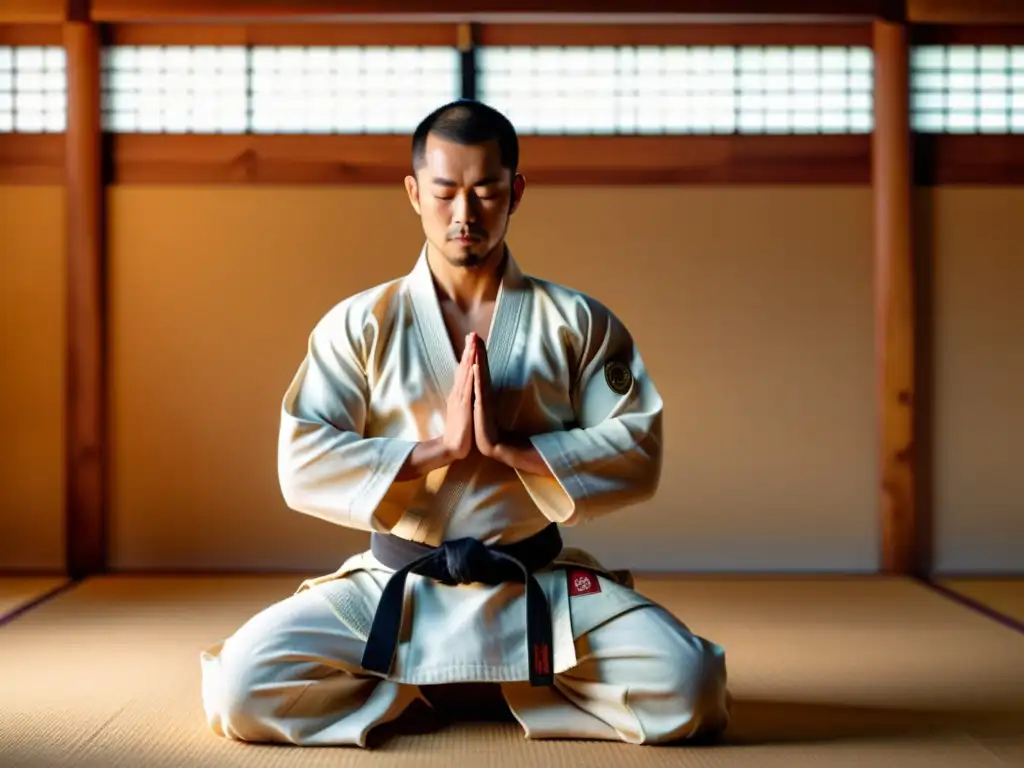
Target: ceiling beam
{"x":716,"y":11}
{"x":32,"y":11}
{"x":965,"y":11}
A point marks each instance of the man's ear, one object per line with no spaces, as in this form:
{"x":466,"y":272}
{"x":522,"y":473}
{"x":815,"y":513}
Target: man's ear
{"x":518,"y":188}
{"x":412,"y":189}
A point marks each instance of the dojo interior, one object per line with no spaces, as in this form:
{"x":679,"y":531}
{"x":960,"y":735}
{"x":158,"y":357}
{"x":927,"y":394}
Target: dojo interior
{"x":804,"y":211}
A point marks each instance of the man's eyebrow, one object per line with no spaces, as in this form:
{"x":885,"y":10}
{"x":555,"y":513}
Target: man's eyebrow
{"x":481,"y":183}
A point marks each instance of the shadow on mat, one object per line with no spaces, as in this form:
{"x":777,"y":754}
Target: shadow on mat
{"x":754,"y":722}
{"x":451,"y":704}
{"x":758,"y":722}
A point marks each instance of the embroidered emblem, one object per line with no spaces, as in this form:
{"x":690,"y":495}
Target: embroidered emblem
{"x":618,"y":376}
{"x":542,"y":659}
{"x":583,"y":583}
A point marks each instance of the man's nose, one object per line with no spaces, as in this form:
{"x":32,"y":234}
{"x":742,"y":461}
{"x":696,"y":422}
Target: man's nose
{"x":464,"y":209}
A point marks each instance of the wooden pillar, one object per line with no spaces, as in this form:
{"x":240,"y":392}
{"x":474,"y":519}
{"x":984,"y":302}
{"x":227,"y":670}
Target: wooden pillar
{"x":466,"y":40}
{"x":901,"y":515}
{"x":85,"y":403}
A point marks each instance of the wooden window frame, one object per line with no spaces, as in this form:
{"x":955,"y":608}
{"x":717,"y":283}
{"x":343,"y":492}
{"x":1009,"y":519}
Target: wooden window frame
{"x":32,"y":158}
{"x":968,"y":159}
{"x":384,"y":159}
{"x":561,"y":159}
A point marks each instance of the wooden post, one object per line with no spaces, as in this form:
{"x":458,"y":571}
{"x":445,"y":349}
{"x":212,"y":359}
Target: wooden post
{"x":85,"y":417}
{"x":466,"y":37}
{"x":902,"y":551}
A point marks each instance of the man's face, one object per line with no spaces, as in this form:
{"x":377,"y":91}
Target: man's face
{"x":464,"y":198}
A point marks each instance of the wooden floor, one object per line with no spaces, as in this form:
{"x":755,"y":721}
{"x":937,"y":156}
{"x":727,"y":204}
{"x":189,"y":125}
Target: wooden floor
{"x":826,"y":672}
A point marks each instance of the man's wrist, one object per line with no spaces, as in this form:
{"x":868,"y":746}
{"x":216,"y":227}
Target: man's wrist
{"x":522,"y":456}
{"x":504,"y":453}
{"x":443,"y":454}
{"x":425,"y":457}
{"x":510,"y":451}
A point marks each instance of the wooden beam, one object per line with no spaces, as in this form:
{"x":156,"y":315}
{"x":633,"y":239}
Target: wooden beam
{"x":31,"y":158}
{"x":292,"y":33}
{"x":675,"y":34}
{"x":31,"y":34}
{"x":977,"y":159}
{"x":32,"y":11}
{"x":965,"y":11}
{"x":967,"y":34}
{"x":382,"y":159}
{"x":901,"y":514}
{"x":85,"y":416}
{"x":696,"y":10}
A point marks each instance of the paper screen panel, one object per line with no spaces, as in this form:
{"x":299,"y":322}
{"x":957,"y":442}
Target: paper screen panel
{"x":680,"y":89}
{"x":968,"y":89}
{"x":350,"y":89}
{"x":33,"y":89}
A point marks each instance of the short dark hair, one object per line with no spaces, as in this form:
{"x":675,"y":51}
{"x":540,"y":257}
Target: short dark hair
{"x":467,"y":121}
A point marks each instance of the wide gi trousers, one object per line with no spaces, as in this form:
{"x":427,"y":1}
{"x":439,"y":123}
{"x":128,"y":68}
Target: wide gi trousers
{"x":291,"y":675}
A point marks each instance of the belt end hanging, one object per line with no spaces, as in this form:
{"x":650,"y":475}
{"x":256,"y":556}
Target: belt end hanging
{"x":540,"y":665}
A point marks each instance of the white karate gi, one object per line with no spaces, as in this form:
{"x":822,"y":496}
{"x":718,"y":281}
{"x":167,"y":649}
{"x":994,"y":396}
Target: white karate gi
{"x":375,"y":381}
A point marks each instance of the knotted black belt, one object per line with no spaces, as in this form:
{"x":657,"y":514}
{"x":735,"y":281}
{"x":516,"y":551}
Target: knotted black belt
{"x":464,"y":561}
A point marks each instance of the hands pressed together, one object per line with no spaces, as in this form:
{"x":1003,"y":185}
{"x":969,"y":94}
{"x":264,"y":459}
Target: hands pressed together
{"x":469,"y":424}
{"x":470,"y":420}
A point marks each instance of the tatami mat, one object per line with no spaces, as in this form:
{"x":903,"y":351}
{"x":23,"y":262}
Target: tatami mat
{"x":836,"y":672}
{"x":16,"y":591}
{"x":1003,"y":595}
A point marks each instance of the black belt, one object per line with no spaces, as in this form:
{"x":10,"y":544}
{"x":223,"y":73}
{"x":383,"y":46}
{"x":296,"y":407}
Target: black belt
{"x":464,"y":561}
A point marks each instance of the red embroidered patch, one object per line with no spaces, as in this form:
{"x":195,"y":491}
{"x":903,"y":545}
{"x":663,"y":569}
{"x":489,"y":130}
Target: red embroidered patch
{"x":583,"y":583}
{"x":541,"y":659}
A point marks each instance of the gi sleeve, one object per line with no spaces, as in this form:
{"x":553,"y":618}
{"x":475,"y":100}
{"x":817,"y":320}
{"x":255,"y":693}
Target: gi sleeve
{"x":611,"y":458}
{"x":327,"y":468}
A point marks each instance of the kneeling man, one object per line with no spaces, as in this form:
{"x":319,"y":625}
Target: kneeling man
{"x":461,"y":414}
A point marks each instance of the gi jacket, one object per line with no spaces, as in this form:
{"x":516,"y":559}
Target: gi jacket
{"x":375,"y":380}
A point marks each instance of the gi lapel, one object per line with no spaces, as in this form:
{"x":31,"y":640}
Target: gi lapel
{"x":500,"y":338}
{"x":427,"y":312}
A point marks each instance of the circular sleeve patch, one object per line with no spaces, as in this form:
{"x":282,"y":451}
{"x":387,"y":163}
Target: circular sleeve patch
{"x":618,"y":376}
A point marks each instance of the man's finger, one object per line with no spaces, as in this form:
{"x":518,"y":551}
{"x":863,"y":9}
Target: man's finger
{"x":485,"y":368}
{"x":477,"y":387}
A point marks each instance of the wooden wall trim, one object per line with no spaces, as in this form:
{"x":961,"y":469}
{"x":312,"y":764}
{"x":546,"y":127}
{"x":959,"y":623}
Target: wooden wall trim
{"x":943,"y":159}
{"x":32,"y":11}
{"x":86,"y":390}
{"x":965,"y":11}
{"x":902,"y":516}
{"x":344,"y":159}
{"x":967,"y":34}
{"x":958,"y":34}
{"x":841,"y":159}
{"x":711,"y":10}
{"x":674,"y":34}
{"x":297,"y":33}
{"x":489,"y":34}
{"x":31,"y":34}
{"x":31,"y":158}
{"x":946,"y":159}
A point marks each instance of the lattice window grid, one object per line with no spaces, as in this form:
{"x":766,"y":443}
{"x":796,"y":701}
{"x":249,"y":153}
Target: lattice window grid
{"x":680,"y":89}
{"x":967,"y":89}
{"x":175,"y":89}
{"x":350,"y":89}
{"x":33,"y":89}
